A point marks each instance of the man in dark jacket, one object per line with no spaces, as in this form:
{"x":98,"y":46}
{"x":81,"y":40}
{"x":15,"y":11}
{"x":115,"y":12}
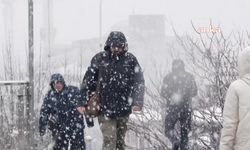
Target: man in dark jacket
{"x":61,"y":113}
{"x":178,"y":89}
{"x":121,"y":88}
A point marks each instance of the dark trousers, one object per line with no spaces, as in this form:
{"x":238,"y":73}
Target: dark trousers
{"x":183,"y":115}
{"x":75,"y":139}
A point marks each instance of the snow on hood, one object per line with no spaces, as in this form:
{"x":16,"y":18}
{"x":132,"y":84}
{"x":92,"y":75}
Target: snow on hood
{"x":116,"y":38}
{"x":244,"y":62}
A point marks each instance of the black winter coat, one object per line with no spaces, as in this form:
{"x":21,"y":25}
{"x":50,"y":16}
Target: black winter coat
{"x":59,"y":111}
{"x":121,"y":83}
{"x":179,"y":88}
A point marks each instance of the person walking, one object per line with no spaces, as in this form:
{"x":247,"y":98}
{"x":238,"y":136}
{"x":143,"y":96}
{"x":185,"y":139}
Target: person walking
{"x":120,"y":79}
{"x":62,"y":113}
{"x":178,"y":89}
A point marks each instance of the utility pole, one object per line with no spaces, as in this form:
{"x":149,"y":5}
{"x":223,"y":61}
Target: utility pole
{"x":30,"y":105}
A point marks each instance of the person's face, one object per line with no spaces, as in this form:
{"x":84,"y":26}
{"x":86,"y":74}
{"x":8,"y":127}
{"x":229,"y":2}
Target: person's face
{"x":116,"y":50}
{"x":58,"y":86}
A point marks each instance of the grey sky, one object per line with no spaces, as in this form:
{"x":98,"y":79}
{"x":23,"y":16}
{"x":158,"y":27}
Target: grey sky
{"x":83,"y":15}
{"x":79,"y":19}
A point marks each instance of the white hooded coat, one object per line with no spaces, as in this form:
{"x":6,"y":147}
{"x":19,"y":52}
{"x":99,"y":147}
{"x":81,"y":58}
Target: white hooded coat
{"x":236,"y":115}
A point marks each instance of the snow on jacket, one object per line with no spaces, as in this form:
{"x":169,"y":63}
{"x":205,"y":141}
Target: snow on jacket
{"x":121,"y":79}
{"x":178,"y":86}
{"x":58,"y":110}
{"x":236,"y":115}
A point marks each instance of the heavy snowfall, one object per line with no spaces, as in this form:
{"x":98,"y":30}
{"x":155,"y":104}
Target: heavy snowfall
{"x":39,"y":38}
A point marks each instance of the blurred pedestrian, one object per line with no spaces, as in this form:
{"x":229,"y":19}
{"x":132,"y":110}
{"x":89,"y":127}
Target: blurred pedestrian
{"x":178,"y":89}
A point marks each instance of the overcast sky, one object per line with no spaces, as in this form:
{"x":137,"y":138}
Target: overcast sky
{"x":79,"y":19}
{"x":76,"y":19}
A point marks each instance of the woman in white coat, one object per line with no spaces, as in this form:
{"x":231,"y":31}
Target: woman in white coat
{"x":236,"y":116}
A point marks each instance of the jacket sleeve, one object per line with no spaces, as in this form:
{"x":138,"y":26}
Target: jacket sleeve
{"x":230,"y":120}
{"x":81,"y":102}
{"x":138,"y":85}
{"x":78,"y":100}
{"x":44,"y":115}
{"x":90,"y":79}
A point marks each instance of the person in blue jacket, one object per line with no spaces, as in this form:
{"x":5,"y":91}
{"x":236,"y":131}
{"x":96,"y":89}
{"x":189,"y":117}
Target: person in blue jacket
{"x":62,"y":113}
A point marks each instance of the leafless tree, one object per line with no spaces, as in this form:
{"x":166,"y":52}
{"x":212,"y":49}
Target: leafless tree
{"x":213,"y":59}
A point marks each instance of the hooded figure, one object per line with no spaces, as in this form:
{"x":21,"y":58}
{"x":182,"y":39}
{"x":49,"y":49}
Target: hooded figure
{"x":121,"y":88}
{"x":116,"y":39}
{"x":178,"y":89}
{"x":121,"y":78}
{"x":236,"y":115}
{"x":59,"y":113}
{"x":56,"y":78}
